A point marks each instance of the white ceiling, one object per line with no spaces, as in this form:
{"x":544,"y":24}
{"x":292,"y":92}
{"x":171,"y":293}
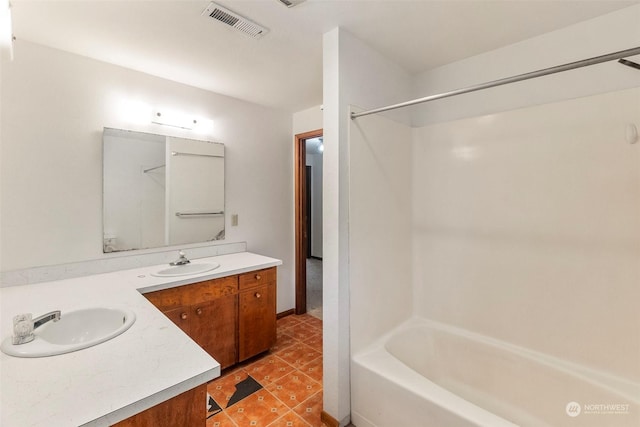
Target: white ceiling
{"x":283,"y":69}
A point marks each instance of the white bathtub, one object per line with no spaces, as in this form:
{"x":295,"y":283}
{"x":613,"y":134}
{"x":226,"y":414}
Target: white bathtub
{"x":433,"y":375}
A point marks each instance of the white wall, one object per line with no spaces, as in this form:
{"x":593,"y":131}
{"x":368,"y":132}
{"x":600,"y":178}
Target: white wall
{"x":1,"y":156}
{"x":613,"y":32}
{"x":315,"y":161}
{"x":354,"y":74}
{"x":379,"y":227}
{"x":307,"y":120}
{"x":54,"y":106}
{"x":526,"y":228}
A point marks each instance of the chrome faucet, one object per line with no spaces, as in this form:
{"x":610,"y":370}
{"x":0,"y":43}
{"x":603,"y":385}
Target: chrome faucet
{"x":39,"y":321}
{"x":180,"y":261}
{"x":24,"y":325}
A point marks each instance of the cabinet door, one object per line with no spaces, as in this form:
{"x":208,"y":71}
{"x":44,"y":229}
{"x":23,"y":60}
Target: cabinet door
{"x":213,"y":327}
{"x":257,"y":320}
{"x":181,"y":317}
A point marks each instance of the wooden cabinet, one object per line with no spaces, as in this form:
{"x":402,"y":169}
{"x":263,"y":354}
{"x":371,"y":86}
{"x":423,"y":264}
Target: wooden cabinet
{"x":207,"y":312}
{"x":186,"y":409}
{"x":180,"y":317}
{"x":257,"y":322}
{"x":214,"y":328}
{"x":232,"y":318}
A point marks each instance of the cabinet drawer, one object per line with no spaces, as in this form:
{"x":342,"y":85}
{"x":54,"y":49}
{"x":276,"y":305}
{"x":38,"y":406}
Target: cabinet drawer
{"x":193,"y":294}
{"x":256,"y":278}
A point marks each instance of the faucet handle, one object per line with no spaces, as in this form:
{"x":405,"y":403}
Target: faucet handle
{"x":182,"y":259}
{"x":22,"y":329}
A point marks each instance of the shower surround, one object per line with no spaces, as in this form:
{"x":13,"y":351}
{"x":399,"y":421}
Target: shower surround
{"x":524,"y":239}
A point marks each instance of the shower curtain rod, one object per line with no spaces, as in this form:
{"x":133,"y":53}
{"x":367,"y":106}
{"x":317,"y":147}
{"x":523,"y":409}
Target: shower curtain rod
{"x":507,"y":80}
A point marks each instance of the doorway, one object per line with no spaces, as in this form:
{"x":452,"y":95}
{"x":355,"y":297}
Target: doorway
{"x":308,"y":222}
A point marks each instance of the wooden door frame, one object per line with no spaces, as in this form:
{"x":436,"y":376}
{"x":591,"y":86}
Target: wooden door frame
{"x":308,"y":205}
{"x":300,"y":215}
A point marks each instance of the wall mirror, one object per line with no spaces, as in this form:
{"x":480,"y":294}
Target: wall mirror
{"x":160,"y":190}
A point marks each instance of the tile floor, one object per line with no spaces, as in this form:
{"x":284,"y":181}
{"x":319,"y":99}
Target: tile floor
{"x":289,"y":378}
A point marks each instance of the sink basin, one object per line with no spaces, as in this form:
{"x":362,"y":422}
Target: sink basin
{"x":74,"y":331}
{"x":187,"y":269}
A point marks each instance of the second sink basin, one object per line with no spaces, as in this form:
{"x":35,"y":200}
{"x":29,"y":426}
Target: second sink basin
{"x":74,"y":331}
{"x":187,"y":269}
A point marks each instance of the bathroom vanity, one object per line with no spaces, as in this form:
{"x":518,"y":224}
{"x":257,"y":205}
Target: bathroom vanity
{"x":153,"y":371}
{"x":232,"y":318}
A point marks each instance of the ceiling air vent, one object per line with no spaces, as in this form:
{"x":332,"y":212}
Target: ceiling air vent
{"x":291,"y":3}
{"x":234,"y":20}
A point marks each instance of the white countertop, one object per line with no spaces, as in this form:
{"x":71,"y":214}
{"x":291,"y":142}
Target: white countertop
{"x":151,"y":362}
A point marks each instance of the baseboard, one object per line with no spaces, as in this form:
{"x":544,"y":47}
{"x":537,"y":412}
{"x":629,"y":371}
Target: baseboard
{"x":285,"y":313}
{"x":329,"y":420}
{"x":360,"y":421}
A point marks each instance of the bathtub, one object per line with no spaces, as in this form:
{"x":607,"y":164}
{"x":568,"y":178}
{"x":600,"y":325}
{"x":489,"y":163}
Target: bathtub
{"x":433,"y":375}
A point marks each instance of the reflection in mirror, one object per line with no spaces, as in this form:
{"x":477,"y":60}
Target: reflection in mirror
{"x":160,"y":190}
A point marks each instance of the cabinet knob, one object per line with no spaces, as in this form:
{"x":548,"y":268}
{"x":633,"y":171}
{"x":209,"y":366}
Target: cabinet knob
{"x":198,"y":311}
{"x":258,"y":295}
{"x":183,"y":316}
{"x":258,"y":277}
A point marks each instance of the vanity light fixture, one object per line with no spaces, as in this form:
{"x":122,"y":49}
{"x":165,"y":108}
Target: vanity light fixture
{"x":171,"y":118}
{"x":182,"y":121}
{"x":6,"y":30}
